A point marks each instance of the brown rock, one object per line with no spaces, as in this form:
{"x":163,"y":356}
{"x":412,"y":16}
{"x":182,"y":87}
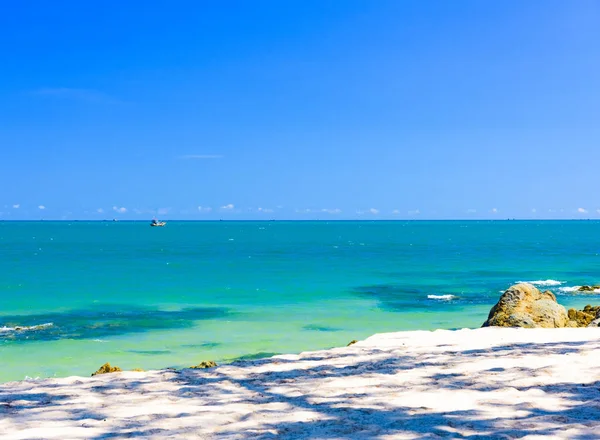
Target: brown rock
{"x":352,"y":342}
{"x":106,"y":368}
{"x":584,"y":318}
{"x":205,"y":364}
{"x":588,"y":288}
{"x":523,"y":305}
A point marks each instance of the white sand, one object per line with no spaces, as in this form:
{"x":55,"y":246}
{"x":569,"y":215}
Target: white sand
{"x":486,"y":383}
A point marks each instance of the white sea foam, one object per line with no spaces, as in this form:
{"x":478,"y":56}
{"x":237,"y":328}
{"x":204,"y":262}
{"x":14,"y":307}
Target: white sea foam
{"x":441,"y":297}
{"x":568,"y":289}
{"x":5,"y":329}
{"x":575,"y":289}
{"x":543,"y":282}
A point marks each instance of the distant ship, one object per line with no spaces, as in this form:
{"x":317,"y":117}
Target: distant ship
{"x":157,"y":223}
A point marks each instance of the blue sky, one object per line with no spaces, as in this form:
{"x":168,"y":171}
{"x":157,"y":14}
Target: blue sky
{"x":300,"y":109}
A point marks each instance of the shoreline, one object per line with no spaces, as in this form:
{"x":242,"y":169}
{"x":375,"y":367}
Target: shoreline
{"x":493,"y":382}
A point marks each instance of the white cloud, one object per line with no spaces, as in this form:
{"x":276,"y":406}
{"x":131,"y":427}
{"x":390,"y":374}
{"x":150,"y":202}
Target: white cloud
{"x":163,"y":211}
{"x":42,"y":207}
{"x":374,"y":211}
{"x":471,"y":211}
{"x":121,"y":210}
{"x":265,"y":210}
{"x":99,"y":210}
{"x":396,"y":212}
{"x":228,"y":207}
{"x":204,"y":208}
{"x":533,"y":210}
{"x":414,"y":212}
{"x":582,"y":210}
{"x":598,"y":211}
{"x":200,"y":156}
{"x":304,"y":211}
{"x":332,"y":211}
{"x":16,"y":206}
{"x":494,"y":210}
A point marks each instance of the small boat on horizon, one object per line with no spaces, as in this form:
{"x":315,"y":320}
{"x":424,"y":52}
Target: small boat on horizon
{"x":157,"y":223}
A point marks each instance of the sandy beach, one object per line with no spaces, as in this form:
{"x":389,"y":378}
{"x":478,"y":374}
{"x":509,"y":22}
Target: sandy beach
{"x":485,"y":383}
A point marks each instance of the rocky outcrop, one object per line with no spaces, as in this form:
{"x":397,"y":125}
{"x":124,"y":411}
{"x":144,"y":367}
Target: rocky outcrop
{"x":588,"y":289}
{"x":205,"y":364}
{"x":523,"y":305}
{"x":352,"y":342}
{"x":588,"y":317}
{"x":106,"y":368}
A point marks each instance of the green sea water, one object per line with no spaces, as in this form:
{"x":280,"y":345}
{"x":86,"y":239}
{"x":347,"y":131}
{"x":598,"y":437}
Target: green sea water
{"x":142,"y":297}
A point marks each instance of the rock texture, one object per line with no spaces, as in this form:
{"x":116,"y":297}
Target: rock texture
{"x":205,"y":364}
{"x":523,"y":305}
{"x":588,"y":289}
{"x":106,"y":368}
{"x":588,"y":317}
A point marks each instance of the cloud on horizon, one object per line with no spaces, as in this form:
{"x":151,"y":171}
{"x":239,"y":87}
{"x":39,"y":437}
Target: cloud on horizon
{"x":332,"y":211}
{"x":204,"y":208}
{"x":42,"y":207}
{"x":121,"y":210}
{"x":16,"y":206}
{"x":228,"y":207}
{"x":582,"y":210}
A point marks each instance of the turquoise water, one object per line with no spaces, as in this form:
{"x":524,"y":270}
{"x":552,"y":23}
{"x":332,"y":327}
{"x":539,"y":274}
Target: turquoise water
{"x":142,"y":297}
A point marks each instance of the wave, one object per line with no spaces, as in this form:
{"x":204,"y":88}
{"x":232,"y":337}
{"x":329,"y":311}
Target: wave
{"x":568,"y":289}
{"x":543,"y":282}
{"x":571,"y":289}
{"x":441,"y":297}
{"x":25,"y":328}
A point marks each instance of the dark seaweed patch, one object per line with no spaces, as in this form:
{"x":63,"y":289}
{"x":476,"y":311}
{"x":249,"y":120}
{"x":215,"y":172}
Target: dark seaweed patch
{"x":319,"y":328}
{"x":203,"y":345}
{"x":150,"y":352}
{"x":104,"y":322}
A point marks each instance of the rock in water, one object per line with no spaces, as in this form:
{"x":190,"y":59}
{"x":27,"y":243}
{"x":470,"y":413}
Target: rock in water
{"x":205,"y":364}
{"x":523,"y":305}
{"x":106,"y":368}
{"x":588,"y":289}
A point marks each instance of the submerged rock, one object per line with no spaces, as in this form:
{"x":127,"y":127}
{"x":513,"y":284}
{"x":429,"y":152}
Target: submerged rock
{"x":352,"y":342}
{"x":205,"y":364}
{"x":106,"y":368}
{"x":523,"y":305}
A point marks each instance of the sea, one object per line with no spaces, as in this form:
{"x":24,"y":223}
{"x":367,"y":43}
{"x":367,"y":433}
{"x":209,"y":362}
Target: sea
{"x":74,"y":295}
